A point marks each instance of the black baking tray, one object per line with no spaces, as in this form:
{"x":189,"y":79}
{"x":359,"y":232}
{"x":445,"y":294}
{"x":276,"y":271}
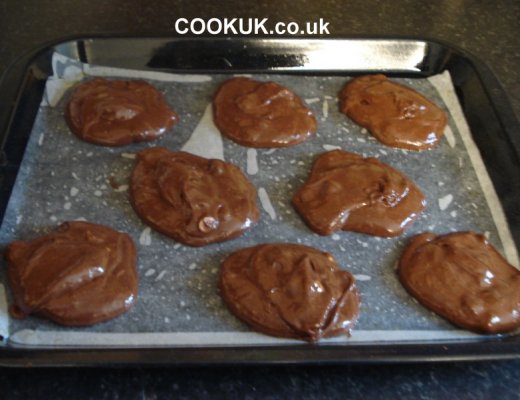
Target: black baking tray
{"x":490,"y":117}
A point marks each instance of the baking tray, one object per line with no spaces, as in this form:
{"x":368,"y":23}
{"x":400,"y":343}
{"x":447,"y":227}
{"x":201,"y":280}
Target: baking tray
{"x":485,"y":106}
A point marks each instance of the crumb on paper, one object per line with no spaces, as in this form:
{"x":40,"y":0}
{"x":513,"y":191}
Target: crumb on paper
{"x":312,"y":100}
{"x":330,"y":147}
{"x":266,"y":203}
{"x":252,"y":162}
{"x":362,"y":277}
{"x":445,"y":201}
{"x":121,"y":188}
{"x":161,"y":275}
{"x":325,"y":109}
{"x":146,"y":238}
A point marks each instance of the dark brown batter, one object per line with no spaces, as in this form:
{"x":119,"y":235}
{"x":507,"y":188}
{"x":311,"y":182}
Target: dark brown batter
{"x":192,"y":199}
{"x":79,"y":274}
{"x":261,"y":114}
{"x":396,"y":115}
{"x":463,"y":278}
{"x":290,"y":290}
{"x":346,"y":191}
{"x":118,"y":112}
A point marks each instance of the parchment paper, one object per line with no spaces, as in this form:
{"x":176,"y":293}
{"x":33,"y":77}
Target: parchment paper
{"x":63,"y":178}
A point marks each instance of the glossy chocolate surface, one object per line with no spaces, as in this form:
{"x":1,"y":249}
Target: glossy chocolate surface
{"x":261,"y":114}
{"x":118,"y":112}
{"x":395,"y":114}
{"x":346,"y":191}
{"x":79,"y":274}
{"x":192,"y":199}
{"x":463,"y":278}
{"x":290,"y":290}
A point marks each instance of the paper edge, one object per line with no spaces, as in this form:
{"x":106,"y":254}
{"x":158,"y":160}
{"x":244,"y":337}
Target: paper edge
{"x":444,"y":86}
{"x":4,"y":312}
{"x":56,"y":339}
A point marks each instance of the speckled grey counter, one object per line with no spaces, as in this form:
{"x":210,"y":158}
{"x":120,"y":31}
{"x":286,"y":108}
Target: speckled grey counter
{"x":487,"y":29}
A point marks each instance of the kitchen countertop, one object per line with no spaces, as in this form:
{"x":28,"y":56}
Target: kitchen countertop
{"x":489,"y":30}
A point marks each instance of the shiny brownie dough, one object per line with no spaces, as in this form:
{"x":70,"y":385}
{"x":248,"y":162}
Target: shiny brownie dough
{"x":79,"y":274}
{"x":395,"y":114}
{"x":290,"y":290}
{"x":192,"y":199}
{"x":261,"y":114}
{"x":463,"y":278}
{"x":348,"y":192}
{"x":118,"y":112}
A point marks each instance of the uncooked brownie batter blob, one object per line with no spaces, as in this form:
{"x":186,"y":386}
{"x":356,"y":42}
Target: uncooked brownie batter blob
{"x":290,"y":290}
{"x":396,"y":115}
{"x":192,"y":199}
{"x":118,"y":112}
{"x":464,"y":279}
{"x":79,"y":274}
{"x":261,"y":114}
{"x":346,"y":191}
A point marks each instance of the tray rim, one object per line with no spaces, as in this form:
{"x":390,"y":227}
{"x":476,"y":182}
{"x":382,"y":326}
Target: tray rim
{"x":387,"y":352}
